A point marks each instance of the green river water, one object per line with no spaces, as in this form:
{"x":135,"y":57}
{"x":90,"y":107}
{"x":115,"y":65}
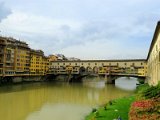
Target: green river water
{"x":59,"y":101}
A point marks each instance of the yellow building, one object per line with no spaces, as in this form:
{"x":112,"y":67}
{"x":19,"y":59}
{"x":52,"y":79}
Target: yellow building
{"x":153,"y":58}
{"x":2,"y":46}
{"x":102,"y":70}
{"x":14,"y":57}
{"x":142,"y":72}
{"x":22,"y":58}
{"x":52,"y":58}
{"x":38,"y":63}
{"x":7,"y":56}
{"x":45,"y":63}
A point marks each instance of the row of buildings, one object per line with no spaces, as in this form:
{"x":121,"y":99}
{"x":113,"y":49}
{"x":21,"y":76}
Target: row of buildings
{"x":17,"y":58}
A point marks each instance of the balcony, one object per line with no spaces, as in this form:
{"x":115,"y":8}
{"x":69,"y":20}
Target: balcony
{"x":9,"y":61}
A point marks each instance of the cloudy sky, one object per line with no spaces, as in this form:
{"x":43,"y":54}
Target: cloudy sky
{"x":86,"y":29}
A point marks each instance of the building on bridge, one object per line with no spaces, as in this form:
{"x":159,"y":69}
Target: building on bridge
{"x":101,"y":67}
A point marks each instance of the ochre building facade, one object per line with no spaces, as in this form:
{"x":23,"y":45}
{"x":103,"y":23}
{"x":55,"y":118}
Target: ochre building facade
{"x":17,"y":59}
{"x":153,"y":59}
{"x":38,"y":63}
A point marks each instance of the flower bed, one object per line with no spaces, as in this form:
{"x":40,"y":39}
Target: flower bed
{"x":145,"y":110}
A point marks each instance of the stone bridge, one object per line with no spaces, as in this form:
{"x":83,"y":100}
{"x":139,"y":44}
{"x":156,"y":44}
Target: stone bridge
{"x":107,"y":68}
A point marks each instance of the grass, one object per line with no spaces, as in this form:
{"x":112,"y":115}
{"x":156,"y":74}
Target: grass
{"x":114,"y":109}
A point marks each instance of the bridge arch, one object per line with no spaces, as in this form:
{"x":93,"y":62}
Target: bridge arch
{"x":89,"y":69}
{"x":95,"y":69}
{"x":111,"y":79}
{"x":128,"y":83}
{"x":82,"y":70}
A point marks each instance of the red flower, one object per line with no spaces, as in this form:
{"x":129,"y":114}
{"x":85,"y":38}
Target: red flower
{"x":145,"y":110}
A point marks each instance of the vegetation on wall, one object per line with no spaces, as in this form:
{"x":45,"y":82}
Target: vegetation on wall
{"x":147,"y":106}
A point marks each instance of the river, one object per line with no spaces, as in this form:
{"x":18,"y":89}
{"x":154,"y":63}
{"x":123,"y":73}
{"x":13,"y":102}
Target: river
{"x":59,"y":101}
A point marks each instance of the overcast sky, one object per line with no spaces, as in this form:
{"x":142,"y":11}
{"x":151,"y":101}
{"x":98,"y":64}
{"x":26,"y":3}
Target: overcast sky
{"x":86,"y":29}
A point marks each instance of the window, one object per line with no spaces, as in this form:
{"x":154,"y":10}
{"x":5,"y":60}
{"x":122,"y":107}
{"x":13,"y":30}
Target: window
{"x":117,"y":64}
{"x":75,"y":63}
{"x":95,"y":63}
{"x":100,"y":68}
{"x":141,"y":63}
{"x":156,"y":48}
{"x":159,"y":56}
{"x":82,"y":64}
{"x":63,"y":63}
{"x":88,"y":63}
{"x":125,"y":63}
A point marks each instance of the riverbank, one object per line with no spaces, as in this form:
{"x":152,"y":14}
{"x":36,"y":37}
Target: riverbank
{"x":112,"y":110}
{"x":144,"y":105}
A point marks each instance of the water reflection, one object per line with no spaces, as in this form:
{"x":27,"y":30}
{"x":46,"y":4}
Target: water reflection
{"x":95,"y":84}
{"x":60,"y":112}
{"x":50,"y":101}
{"x":126,"y":83}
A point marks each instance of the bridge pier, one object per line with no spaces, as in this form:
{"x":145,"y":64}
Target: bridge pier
{"x":111,"y":79}
{"x":17,"y":79}
{"x":62,"y":78}
{"x":33,"y":78}
{"x":4,"y":80}
{"x":67,"y":78}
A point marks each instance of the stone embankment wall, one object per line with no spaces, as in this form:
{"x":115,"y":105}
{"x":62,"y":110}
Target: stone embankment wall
{"x":153,"y":59}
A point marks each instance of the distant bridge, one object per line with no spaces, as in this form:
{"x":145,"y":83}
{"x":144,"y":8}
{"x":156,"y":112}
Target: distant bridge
{"x":106,"y":68}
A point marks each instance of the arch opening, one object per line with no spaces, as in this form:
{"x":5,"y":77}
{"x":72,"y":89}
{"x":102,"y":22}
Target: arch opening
{"x":89,"y":69}
{"x":95,"y":70}
{"x":82,"y":70}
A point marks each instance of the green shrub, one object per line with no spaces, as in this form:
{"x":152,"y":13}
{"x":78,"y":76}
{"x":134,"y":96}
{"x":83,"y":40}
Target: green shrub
{"x":153,"y":91}
{"x":141,"y":81}
{"x":145,"y":91}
